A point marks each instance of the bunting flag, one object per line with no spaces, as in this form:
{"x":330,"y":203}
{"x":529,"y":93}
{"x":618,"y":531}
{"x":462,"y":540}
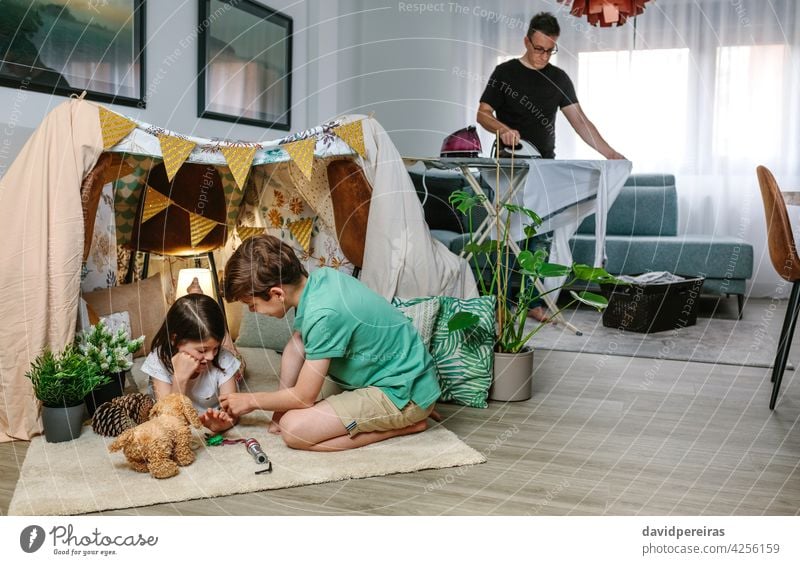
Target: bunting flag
{"x":353,"y":135}
{"x":302,"y":153}
{"x":174,"y":150}
{"x":113,"y":127}
{"x":154,"y":202}
{"x":239,"y":159}
{"x":199,"y":226}
{"x":301,"y":230}
{"x":248,"y":232}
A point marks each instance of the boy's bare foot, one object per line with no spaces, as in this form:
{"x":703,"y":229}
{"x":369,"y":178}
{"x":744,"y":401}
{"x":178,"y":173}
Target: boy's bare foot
{"x":435,"y":416}
{"x":274,"y":428}
{"x":539,"y":314}
{"x":420,"y":426}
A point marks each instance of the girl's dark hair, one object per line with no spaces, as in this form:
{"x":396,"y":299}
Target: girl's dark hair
{"x":260,"y":263}
{"x":194,"y":317}
{"x":546,"y":23}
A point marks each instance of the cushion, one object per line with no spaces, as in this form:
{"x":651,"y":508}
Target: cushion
{"x":646,"y":205}
{"x":464,"y":359}
{"x":145,"y":301}
{"x":259,"y":330}
{"x":423,"y":316}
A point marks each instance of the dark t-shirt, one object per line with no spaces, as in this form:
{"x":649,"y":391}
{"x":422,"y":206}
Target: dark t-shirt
{"x":526,"y":100}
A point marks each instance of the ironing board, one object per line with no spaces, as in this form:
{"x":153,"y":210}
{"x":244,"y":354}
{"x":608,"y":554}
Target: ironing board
{"x":562,"y":192}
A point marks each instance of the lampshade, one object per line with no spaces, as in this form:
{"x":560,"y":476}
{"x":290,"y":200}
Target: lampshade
{"x":606,"y":13}
{"x":186,"y":276}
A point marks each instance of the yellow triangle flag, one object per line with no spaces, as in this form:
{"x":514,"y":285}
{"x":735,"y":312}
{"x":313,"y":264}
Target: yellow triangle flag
{"x":301,"y":230}
{"x":239,"y":159}
{"x":302,"y":153}
{"x":175,"y":151}
{"x":199,"y":226}
{"x":248,"y":232}
{"x":154,"y":202}
{"x":114,"y":127}
{"x":353,"y":135}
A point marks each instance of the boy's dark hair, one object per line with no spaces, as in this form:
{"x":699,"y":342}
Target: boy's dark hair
{"x":260,"y":263}
{"x":546,"y":23}
{"x":194,"y":317}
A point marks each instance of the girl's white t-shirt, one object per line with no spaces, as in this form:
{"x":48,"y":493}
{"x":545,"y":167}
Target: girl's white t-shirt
{"x":204,"y":389}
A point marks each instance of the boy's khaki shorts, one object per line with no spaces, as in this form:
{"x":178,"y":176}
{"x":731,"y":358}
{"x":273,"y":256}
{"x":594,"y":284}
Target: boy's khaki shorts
{"x":370,"y":410}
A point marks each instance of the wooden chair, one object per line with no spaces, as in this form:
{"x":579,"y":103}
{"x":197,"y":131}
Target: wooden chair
{"x":195,"y":187}
{"x":783,"y":253}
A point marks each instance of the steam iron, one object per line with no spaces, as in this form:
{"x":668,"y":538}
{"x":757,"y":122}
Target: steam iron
{"x":523,"y":150}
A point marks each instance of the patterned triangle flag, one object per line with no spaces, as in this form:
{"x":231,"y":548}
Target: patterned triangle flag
{"x":353,"y":135}
{"x":239,"y":159}
{"x":199,"y":226}
{"x":154,"y":202}
{"x":175,"y":150}
{"x":248,"y":232}
{"x":302,"y":153}
{"x":301,"y":230}
{"x":113,"y":127}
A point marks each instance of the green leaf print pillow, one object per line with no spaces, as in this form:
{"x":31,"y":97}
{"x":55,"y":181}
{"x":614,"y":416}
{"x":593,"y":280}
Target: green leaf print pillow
{"x":465,"y":358}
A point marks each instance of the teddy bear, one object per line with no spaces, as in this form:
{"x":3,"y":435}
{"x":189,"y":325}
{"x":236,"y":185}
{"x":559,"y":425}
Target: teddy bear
{"x":164,"y":441}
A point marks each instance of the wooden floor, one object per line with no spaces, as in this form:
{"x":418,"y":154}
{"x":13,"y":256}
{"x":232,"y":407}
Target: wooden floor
{"x":601,"y":435}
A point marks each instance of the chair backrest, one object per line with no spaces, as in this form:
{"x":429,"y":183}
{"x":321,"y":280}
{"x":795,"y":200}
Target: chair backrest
{"x":351,"y":194}
{"x":195,"y":187}
{"x":782,"y":250}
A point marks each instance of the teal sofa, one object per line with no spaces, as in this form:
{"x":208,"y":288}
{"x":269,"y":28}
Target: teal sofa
{"x":642,"y":236}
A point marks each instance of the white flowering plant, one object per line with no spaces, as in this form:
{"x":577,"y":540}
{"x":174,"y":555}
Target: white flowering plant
{"x":110,"y":352}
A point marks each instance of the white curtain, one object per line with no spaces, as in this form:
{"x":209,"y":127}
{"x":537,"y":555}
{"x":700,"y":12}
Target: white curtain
{"x":704,"y":89}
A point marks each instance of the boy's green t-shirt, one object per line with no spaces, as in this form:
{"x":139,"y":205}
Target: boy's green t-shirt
{"x":369,"y":341}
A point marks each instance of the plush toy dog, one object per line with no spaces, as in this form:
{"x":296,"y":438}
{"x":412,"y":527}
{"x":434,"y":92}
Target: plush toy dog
{"x":163,"y":442}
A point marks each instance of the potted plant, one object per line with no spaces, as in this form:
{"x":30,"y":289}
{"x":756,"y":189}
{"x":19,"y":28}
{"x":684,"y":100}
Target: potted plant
{"x":511,"y":280}
{"x":111,"y":353}
{"x":61,"y":381}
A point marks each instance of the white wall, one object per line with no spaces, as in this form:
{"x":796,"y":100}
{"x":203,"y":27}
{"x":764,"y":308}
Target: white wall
{"x":171,"y":82}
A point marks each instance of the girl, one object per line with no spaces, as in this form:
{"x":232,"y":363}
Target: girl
{"x":186,"y":357}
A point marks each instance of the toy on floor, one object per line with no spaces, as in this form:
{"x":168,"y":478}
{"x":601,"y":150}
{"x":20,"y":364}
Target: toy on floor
{"x":122,"y":413}
{"x":252,"y":446}
{"x":162,"y":443}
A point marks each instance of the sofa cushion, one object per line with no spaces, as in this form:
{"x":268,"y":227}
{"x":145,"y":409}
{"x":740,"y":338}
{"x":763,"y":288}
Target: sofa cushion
{"x":687,"y":255}
{"x":646,"y":205}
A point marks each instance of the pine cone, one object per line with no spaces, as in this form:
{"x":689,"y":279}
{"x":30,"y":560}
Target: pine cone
{"x":137,"y":406}
{"x":111,"y":420}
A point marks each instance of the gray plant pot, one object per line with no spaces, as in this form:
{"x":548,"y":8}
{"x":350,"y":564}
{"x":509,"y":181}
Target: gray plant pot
{"x":513,"y":376}
{"x":62,"y":424}
{"x":106,"y":392}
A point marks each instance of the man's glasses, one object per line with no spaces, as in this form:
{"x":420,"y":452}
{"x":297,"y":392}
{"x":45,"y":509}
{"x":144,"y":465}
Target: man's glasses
{"x":542,"y":51}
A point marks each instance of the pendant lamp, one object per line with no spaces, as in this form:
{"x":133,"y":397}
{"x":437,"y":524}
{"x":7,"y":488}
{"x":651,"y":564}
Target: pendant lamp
{"x":606,"y":13}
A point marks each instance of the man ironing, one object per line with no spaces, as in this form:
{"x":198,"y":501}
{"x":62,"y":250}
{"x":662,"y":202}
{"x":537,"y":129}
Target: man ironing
{"x":523,"y":94}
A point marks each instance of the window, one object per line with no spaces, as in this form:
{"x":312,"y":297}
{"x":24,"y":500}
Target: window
{"x":749,"y":102}
{"x":638,"y":101}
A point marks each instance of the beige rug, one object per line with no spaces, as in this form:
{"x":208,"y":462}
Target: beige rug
{"x":82,"y":476}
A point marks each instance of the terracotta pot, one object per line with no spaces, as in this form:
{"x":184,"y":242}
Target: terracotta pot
{"x":513,"y":376}
{"x":62,"y":423}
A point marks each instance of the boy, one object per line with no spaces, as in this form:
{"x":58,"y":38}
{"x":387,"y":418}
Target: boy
{"x":341,"y":328}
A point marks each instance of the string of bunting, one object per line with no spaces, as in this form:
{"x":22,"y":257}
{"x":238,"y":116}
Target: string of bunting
{"x":175,"y":150}
{"x":199,"y":226}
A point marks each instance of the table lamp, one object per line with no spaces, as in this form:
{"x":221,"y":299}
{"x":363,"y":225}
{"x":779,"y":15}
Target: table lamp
{"x":187,"y":276}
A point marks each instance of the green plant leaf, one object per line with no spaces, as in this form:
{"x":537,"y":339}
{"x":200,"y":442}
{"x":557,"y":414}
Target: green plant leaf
{"x":592,"y":274}
{"x":463,"y":201}
{"x":554,"y":270}
{"x":514,"y":208}
{"x":462,"y":321}
{"x":590,"y":299}
{"x":478,"y":248}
